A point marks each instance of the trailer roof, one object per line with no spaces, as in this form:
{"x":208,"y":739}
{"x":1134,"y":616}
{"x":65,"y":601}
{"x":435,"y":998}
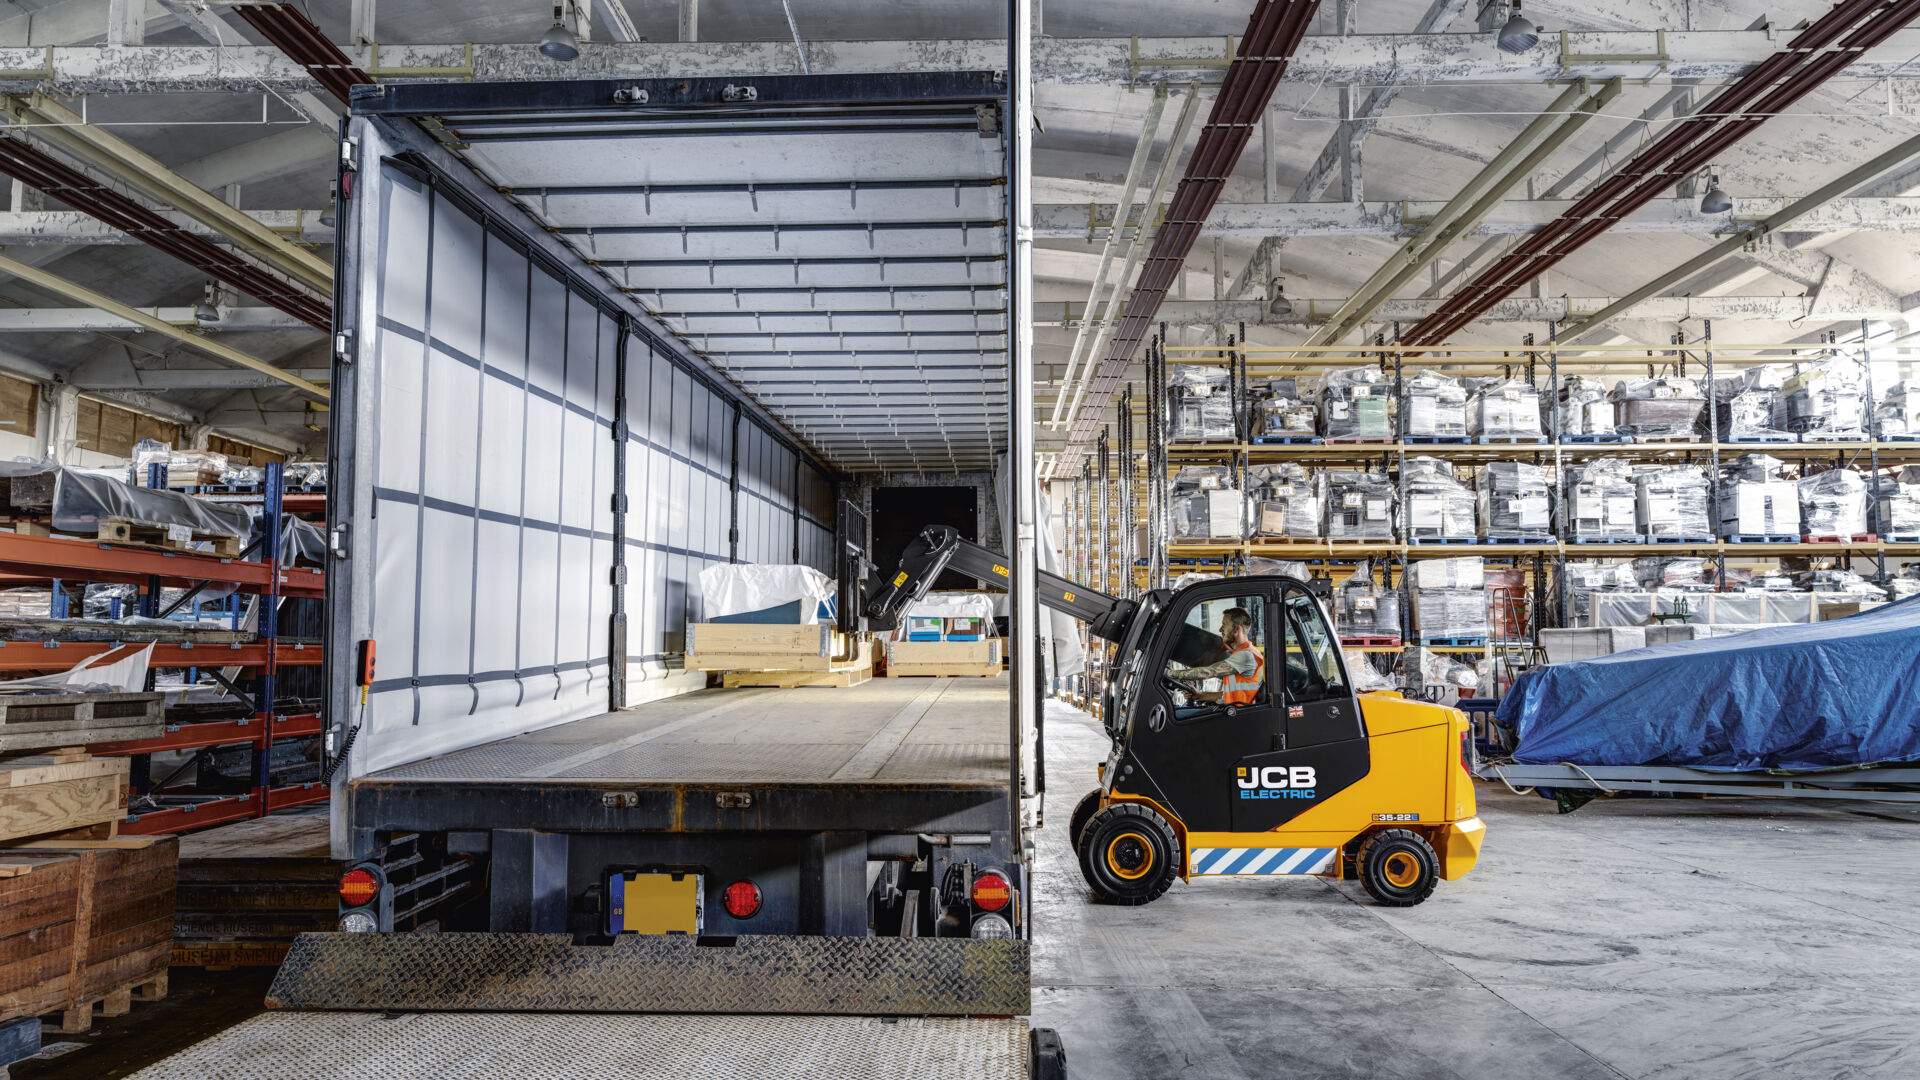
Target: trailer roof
{"x":836,"y":246}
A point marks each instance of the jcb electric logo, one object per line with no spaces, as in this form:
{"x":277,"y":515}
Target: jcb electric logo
{"x":1276,"y":782}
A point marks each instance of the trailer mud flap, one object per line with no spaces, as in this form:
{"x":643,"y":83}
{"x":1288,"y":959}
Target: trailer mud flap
{"x":837,"y":976}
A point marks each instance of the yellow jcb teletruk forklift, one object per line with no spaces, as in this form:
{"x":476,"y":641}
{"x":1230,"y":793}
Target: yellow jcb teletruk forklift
{"x":1240,"y":747}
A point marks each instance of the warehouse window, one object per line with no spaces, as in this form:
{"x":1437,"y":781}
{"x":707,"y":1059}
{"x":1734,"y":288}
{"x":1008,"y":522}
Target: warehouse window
{"x":109,"y":429}
{"x":237,"y":451}
{"x":19,"y":406}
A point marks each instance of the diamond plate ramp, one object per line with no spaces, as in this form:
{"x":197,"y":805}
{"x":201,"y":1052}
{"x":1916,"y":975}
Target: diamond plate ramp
{"x":533,"y":1046}
{"x":667,"y":974}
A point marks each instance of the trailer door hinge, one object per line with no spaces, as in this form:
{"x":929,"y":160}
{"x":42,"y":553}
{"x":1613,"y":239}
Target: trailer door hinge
{"x":338,"y":541}
{"x":630,"y":95}
{"x":620,"y":800}
{"x":350,"y":155}
{"x":619,"y":575}
{"x":343,"y":346}
{"x":730,"y":92}
{"x":733,"y":800}
{"x":620,"y":503}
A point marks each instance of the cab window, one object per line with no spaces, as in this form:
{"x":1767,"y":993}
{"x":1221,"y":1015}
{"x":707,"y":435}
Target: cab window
{"x":1313,"y":671}
{"x":1218,"y":656}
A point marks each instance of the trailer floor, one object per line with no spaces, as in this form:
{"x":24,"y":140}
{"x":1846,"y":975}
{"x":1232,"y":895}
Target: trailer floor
{"x":1634,"y":938}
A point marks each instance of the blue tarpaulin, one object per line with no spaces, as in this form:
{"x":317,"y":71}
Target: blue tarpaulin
{"x":1814,"y":696}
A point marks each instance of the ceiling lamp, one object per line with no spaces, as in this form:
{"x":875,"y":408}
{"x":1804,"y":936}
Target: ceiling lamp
{"x":1279,"y":304}
{"x":559,"y":43}
{"x":1715,"y":201}
{"x":1519,"y":34}
{"x":208,"y":309}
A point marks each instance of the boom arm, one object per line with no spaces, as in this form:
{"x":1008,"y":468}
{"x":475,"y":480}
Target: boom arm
{"x":940,"y":547}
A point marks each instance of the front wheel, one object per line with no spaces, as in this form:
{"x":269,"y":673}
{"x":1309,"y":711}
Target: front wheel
{"x":1128,"y":854}
{"x":1082,"y":813}
{"x":1398,"y":867}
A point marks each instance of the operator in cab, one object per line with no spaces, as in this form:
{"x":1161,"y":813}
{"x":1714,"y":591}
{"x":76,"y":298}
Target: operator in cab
{"x":1239,"y":672}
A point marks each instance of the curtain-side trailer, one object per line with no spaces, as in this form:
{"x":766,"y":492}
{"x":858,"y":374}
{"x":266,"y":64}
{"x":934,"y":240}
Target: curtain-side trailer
{"x":540,"y":435}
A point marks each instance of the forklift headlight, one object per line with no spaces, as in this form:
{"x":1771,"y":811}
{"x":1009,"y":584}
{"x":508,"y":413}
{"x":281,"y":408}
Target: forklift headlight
{"x":992,"y":926}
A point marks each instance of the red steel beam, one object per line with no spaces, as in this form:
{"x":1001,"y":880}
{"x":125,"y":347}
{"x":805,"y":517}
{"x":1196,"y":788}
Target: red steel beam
{"x":59,"y":557}
{"x":61,"y":655}
{"x":36,"y":168}
{"x":1273,"y":33}
{"x":293,"y":33}
{"x":221,"y":811}
{"x":1815,"y":55}
{"x":247,"y":730}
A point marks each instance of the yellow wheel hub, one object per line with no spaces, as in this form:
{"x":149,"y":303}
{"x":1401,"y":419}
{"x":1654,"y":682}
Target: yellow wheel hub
{"x":1130,"y":856}
{"x":1401,"y":870}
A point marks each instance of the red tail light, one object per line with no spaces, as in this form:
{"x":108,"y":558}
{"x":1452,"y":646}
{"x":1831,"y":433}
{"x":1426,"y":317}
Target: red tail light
{"x":741,"y":899}
{"x":991,"y":891}
{"x":358,"y":887}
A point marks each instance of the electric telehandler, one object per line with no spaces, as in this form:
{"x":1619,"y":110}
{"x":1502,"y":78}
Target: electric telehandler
{"x":1239,"y":745}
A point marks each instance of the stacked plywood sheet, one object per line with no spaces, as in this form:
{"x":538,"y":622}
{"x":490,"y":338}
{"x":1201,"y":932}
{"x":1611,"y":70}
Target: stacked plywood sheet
{"x":85,"y":926}
{"x":249,"y":888}
{"x":950,"y":658}
{"x":779,"y":654}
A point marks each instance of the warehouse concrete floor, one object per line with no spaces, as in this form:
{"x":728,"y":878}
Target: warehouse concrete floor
{"x":1634,"y":938}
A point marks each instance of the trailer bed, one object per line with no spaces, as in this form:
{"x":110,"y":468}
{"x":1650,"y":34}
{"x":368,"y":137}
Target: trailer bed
{"x":916,"y":753}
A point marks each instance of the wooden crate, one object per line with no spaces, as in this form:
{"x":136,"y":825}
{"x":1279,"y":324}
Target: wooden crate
{"x":816,"y":647}
{"x":43,"y":721}
{"x":54,"y":793}
{"x":950,"y":658}
{"x":850,"y":671}
{"x":166,"y":537}
{"x":249,"y":888}
{"x":114,"y":910}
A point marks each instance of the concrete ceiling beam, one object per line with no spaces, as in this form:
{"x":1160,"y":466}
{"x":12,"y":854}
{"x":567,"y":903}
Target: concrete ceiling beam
{"x":1514,"y":217}
{"x":42,"y":320}
{"x":53,"y":228}
{"x":1846,"y":298}
{"x":1360,"y":59}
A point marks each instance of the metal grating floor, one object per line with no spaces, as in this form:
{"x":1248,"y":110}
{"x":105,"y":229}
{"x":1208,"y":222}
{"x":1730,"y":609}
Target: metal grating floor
{"x":894,"y":730}
{"x":531,"y":1046}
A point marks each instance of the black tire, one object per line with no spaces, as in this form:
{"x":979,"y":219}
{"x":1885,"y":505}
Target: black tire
{"x":1128,"y":854}
{"x":1082,"y":812}
{"x":1398,"y":867}
{"x":1047,"y":1057}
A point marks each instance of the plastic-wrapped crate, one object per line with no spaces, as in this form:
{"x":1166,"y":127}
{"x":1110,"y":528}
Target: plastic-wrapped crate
{"x":1827,"y":402}
{"x":1584,"y":406}
{"x":1199,"y":404}
{"x":1362,"y":608}
{"x":1750,"y":499}
{"x":1353,"y":404}
{"x":1686,"y":572}
{"x":1662,"y":407}
{"x":1285,"y":407}
{"x":1896,"y":508}
{"x":1468,"y":572}
{"x":1437,"y":505}
{"x":1299,"y":571}
{"x":1898,"y":414}
{"x":1514,"y":500}
{"x":1501,"y":410}
{"x":1359,"y":505}
{"x":1600,"y":500}
{"x":1451,"y":613}
{"x":1585,"y":579}
{"x":1833,"y":503}
{"x":1838,"y":581}
{"x":1673,"y":502}
{"x":1285,"y":501}
{"x":1205,"y":505}
{"x":1747,"y":405}
{"x":1434,"y":405}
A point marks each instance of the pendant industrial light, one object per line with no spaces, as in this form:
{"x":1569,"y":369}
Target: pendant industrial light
{"x":559,"y":43}
{"x":1278,"y":304}
{"x":1715,"y":201}
{"x":1519,"y":34}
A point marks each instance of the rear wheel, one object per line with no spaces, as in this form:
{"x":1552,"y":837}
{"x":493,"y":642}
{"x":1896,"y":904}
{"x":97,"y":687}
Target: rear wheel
{"x":1082,"y":812}
{"x":1398,"y":867}
{"x":1128,"y":854}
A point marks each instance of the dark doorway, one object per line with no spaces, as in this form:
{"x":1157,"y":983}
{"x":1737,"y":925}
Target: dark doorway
{"x":899,"y":513}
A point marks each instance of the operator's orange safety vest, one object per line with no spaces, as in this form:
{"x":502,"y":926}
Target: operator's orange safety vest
{"x":1243,"y":689}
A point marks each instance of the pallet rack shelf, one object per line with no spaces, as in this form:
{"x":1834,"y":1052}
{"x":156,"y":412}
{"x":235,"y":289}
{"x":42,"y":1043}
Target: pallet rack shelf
{"x":25,"y":558}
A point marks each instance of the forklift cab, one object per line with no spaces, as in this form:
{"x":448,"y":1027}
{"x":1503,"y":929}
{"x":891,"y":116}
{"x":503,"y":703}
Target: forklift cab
{"x":1239,"y":684}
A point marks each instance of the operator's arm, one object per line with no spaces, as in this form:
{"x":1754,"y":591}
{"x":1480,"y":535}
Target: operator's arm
{"x":1240,"y":663}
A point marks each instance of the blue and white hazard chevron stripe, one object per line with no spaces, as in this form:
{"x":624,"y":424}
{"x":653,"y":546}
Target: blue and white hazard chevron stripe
{"x":1263,"y":861}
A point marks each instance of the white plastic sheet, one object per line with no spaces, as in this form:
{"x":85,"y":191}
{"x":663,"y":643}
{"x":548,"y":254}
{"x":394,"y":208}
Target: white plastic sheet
{"x":744,"y":587}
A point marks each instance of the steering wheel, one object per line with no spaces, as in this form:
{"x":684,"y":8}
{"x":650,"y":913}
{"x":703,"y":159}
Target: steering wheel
{"x":1182,"y":693}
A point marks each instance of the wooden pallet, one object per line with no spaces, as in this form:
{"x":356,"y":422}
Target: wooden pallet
{"x":951,"y":659}
{"x":43,"y":721}
{"x":789,"y":680}
{"x":166,"y":538}
{"x":851,"y":669}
